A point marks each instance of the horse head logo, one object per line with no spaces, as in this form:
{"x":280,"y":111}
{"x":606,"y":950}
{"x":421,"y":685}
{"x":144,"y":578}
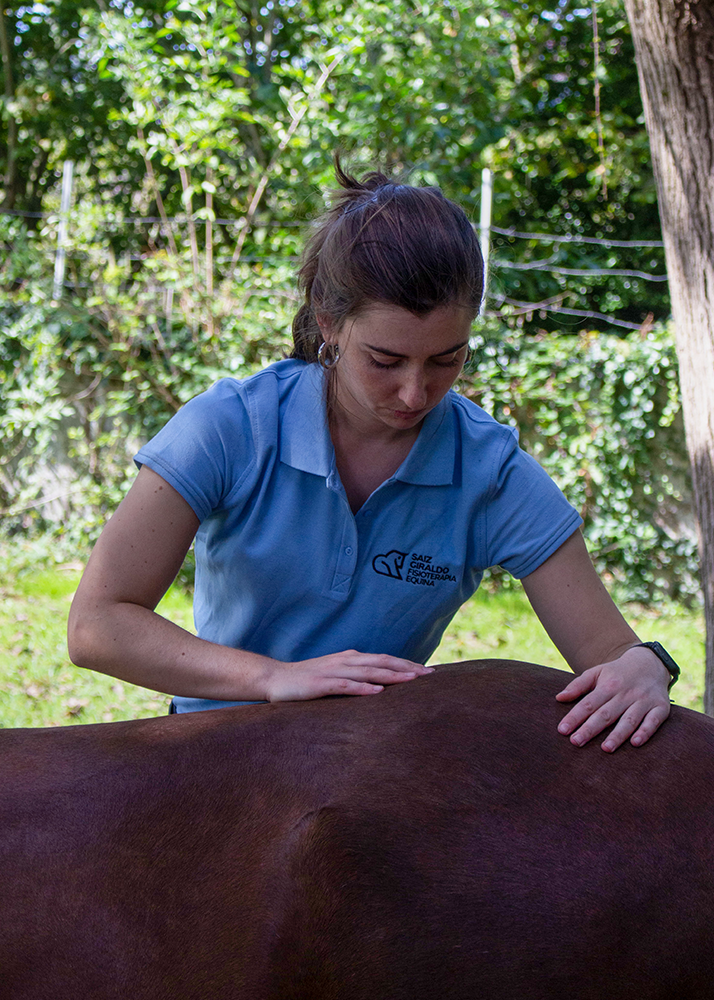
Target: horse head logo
{"x":389,"y":564}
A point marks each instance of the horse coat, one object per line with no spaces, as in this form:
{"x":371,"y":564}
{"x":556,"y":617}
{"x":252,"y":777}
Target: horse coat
{"x":438,"y":841}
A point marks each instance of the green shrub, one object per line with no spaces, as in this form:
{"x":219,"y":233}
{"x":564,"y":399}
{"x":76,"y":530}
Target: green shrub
{"x":602,"y":415}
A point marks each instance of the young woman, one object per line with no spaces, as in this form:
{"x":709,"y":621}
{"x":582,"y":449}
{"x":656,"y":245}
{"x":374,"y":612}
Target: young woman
{"x":345,"y":502}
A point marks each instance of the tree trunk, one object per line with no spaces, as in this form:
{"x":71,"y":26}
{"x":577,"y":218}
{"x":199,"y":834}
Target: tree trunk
{"x":10,"y":178}
{"x":674,"y":45}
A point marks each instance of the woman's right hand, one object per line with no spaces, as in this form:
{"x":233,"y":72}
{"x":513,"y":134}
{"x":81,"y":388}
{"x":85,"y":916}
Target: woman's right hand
{"x":348,"y":672}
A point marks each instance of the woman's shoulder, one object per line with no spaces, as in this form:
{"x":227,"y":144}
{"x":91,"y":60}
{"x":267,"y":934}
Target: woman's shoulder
{"x":208,"y":449}
{"x":477,"y":425}
{"x":273,"y":380}
{"x":248,"y":401}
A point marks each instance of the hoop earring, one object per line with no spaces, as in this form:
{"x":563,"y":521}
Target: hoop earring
{"x":325,"y":359}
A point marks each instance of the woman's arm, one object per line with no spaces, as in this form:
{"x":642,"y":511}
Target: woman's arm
{"x":113,"y":627}
{"x":620,"y":682}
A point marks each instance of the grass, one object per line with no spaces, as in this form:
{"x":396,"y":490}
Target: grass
{"x":38,"y":684}
{"x":40,"y":687}
{"x":502,"y":625}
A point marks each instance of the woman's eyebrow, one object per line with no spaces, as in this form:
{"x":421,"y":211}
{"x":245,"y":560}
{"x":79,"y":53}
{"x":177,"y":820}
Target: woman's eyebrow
{"x":394,"y":354}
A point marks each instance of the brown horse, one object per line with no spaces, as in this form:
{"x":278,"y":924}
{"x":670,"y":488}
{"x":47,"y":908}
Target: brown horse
{"x":439,"y":841}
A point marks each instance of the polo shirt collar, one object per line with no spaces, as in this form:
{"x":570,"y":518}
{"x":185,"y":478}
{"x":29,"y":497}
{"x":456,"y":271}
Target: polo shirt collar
{"x":431,"y":460}
{"x":305,"y":442}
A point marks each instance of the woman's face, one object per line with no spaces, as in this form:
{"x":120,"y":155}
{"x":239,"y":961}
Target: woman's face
{"x":395,"y":367}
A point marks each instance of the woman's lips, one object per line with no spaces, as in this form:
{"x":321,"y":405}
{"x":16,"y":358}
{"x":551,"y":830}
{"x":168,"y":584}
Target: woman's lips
{"x":408,"y":414}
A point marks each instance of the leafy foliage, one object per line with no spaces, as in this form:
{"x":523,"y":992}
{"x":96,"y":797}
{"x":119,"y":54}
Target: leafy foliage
{"x":203,"y":133}
{"x":602,"y":415}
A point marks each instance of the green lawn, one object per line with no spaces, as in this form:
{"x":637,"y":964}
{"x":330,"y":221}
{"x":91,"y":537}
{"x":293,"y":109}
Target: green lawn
{"x":503,"y":625}
{"x":40,"y":687}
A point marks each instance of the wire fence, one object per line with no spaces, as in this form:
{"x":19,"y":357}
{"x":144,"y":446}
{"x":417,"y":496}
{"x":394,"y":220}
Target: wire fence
{"x":547,"y":264}
{"x":515,"y":307}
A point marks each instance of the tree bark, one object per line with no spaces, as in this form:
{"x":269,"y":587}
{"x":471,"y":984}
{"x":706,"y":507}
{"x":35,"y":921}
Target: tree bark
{"x":674,"y":45}
{"x":9,"y":180}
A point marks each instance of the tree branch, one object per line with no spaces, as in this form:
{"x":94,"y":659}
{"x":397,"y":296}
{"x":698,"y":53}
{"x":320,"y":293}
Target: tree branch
{"x":157,"y":194}
{"x":263,"y":182}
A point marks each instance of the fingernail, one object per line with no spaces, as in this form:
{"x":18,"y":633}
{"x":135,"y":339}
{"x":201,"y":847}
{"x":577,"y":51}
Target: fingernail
{"x":563,"y":727}
{"x":636,"y":740}
{"x":429,"y":670}
{"x":607,"y":747}
{"x":577,"y":740}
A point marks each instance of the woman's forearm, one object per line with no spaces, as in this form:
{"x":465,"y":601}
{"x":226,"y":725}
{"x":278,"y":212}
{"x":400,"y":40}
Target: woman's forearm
{"x":135,"y":644}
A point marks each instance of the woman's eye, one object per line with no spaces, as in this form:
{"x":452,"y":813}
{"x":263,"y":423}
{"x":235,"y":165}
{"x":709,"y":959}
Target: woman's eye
{"x":439,"y":362}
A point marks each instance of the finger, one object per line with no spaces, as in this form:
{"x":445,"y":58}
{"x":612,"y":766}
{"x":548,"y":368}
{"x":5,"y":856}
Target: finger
{"x":374,"y":675}
{"x":650,"y":724}
{"x":363,"y":679}
{"x":369,"y":668}
{"x":596,"y":721}
{"x":322,"y":687}
{"x":579,"y":713}
{"x":345,"y":686}
{"x":394,"y":663}
{"x":578,"y":686}
{"x":638,"y":721}
{"x":351,"y":679}
{"x":628,"y":723}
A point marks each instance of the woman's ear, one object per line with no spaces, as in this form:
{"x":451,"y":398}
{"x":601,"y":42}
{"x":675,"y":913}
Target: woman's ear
{"x":327,"y":328}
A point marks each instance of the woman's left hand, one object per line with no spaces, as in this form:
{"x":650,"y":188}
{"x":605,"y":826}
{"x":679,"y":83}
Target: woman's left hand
{"x":632,"y":689}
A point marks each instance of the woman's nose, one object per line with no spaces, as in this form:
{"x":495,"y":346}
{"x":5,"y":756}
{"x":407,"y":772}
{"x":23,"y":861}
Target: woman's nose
{"x":413,"y":391}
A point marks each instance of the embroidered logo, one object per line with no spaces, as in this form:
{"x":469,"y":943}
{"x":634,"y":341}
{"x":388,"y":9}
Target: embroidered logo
{"x":390,"y":564}
{"x":421,"y":569}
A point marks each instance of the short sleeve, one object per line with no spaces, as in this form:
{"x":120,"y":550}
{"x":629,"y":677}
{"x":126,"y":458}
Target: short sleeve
{"x":206,"y":449}
{"x":528,"y":517}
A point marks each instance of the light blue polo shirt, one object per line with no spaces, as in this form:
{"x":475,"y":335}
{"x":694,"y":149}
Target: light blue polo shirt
{"x":283,"y":566}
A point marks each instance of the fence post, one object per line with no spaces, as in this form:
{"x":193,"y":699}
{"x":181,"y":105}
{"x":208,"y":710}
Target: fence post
{"x":485,"y":226}
{"x":67,"y":177}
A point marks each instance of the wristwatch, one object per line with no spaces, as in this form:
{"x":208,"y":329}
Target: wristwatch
{"x":662,"y":654}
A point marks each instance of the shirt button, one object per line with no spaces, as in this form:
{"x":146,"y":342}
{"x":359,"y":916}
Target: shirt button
{"x":348,"y":550}
{"x":367,"y":513}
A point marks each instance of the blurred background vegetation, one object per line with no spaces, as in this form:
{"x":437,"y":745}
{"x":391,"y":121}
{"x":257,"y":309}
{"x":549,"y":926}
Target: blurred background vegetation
{"x":201,"y":135}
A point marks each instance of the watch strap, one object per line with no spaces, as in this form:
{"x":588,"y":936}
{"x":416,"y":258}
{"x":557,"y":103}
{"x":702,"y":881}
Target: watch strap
{"x":661,"y":653}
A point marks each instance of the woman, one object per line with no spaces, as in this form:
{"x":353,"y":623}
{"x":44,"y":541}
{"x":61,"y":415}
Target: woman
{"x":346,"y":502}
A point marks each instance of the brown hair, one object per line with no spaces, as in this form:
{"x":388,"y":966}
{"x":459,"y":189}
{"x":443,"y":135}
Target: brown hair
{"x":388,"y":243}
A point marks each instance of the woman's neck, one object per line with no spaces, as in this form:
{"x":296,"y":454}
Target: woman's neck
{"x":364,"y":461}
